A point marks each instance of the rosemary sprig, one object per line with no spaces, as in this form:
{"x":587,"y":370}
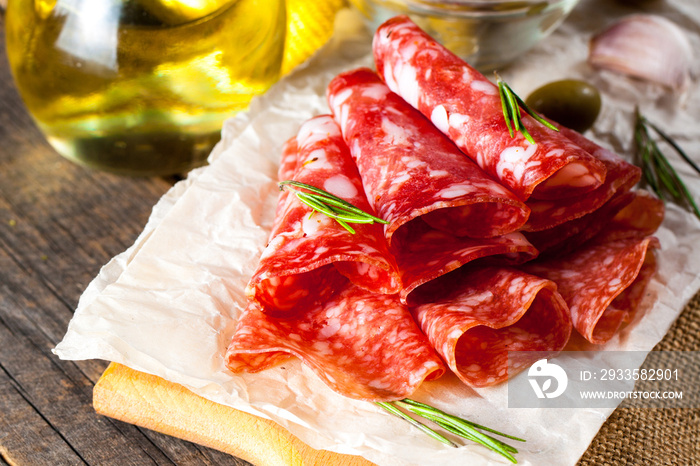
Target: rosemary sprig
{"x":334,"y":207}
{"x":453,"y":424}
{"x":658,"y":172}
{"x":393,"y":409}
{"x":511,"y":105}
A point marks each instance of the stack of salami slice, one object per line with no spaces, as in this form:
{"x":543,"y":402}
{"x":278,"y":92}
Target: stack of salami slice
{"x":493,"y":244}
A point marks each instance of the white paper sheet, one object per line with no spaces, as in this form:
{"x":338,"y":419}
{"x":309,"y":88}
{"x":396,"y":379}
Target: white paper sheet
{"x":168,"y":305}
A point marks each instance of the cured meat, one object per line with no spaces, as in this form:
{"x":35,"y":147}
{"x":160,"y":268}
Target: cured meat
{"x":567,"y":237}
{"x":434,"y":198}
{"x":602,"y":282}
{"x":424,"y":253}
{"x":453,"y":280}
{"x":621,"y":176}
{"x":288,"y":161}
{"x":310,"y":256}
{"x":363,"y":345}
{"x":628,"y":214}
{"x":409,"y":169}
{"x":483,"y":313}
{"x":639,"y":219}
{"x":466,"y":106}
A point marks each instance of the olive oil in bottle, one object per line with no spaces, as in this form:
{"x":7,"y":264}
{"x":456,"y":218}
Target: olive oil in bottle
{"x":141,"y":87}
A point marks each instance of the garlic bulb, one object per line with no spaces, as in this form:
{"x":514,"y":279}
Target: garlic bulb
{"x":645,"y":46}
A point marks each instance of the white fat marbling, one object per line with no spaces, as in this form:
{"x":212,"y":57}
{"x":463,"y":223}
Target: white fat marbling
{"x":339,"y":98}
{"x":394,"y":134}
{"x":440,"y":118}
{"x":408,"y":84}
{"x":315,"y":130}
{"x":375,"y":91}
{"x":513,"y":161}
{"x":455,"y":192}
{"x":341,"y":186}
{"x":485,"y":87}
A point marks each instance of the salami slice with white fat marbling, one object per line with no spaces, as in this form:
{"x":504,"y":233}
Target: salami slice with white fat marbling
{"x":363,"y":345}
{"x":410,"y":169}
{"x":424,"y":254}
{"x":443,"y":210}
{"x":569,"y":236}
{"x":602,"y":282}
{"x":310,"y":256}
{"x":621,"y":176}
{"x":482,"y":313}
{"x":639,"y":219}
{"x":453,"y":277}
{"x":466,"y":106}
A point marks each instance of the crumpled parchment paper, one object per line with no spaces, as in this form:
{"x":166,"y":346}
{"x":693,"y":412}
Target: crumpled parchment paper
{"x":168,"y":305}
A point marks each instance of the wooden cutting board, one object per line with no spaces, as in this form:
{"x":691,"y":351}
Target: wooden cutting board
{"x":157,"y":404}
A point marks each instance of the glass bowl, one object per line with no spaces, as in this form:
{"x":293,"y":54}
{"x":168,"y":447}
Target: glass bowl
{"x":141,"y":87}
{"x":486,"y":33}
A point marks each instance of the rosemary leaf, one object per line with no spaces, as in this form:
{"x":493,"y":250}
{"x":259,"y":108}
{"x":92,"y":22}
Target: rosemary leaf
{"x":473,"y":424}
{"x":314,"y":204}
{"x":341,"y":203}
{"x":463,"y":428}
{"x":665,"y":174}
{"x":319,"y":207}
{"x":345,"y":225}
{"x":329,"y":198}
{"x":532,"y":113}
{"x":350,"y":216}
{"x":425,"y":429}
{"x":645,"y":160}
{"x":474,"y":435}
{"x":675,"y":146}
{"x":511,"y":104}
{"x":504,"y":107}
{"x":455,"y":425}
{"x":332,"y":206}
{"x":658,"y":171}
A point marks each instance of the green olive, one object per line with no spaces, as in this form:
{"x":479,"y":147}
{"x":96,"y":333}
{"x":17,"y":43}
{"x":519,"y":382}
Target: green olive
{"x":570,"y":102}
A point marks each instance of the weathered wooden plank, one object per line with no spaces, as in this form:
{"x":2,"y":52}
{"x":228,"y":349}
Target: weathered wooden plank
{"x":44,"y":289}
{"x":25,"y":435}
{"x":64,"y":403}
{"x":112,"y":442}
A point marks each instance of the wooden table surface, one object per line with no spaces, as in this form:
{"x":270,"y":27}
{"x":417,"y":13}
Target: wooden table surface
{"x":59,"y":223}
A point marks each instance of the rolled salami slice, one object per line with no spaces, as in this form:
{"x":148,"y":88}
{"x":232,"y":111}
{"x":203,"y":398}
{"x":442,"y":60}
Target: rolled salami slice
{"x":310,"y":256}
{"x":621,"y":177}
{"x":466,"y":106}
{"x":288,"y":160}
{"x":602,"y":282}
{"x":628,"y":214}
{"x":639,"y":219}
{"x":361,"y":344}
{"x":424,"y":254}
{"x":567,"y":237}
{"x":409,"y":169}
{"x":475,"y":316}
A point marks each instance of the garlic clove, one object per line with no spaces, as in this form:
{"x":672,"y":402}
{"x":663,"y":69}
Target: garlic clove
{"x":645,"y":46}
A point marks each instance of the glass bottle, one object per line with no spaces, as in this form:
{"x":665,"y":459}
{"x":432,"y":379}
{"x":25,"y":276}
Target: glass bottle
{"x":141,"y":87}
